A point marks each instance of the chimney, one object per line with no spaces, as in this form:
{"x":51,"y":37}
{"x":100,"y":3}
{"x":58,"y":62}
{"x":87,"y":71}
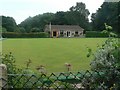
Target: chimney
{"x":50,"y":26}
{"x":50,"y":29}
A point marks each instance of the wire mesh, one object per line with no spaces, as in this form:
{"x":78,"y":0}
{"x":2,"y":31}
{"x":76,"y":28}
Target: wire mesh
{"x":73,"y":81}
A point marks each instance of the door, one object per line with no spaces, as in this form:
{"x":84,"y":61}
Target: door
{"x":54,"y":33}
{"x":68,"y":33}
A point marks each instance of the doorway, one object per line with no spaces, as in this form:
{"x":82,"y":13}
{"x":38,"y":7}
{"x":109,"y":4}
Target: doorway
{"x":54,"y":33}
{"x":68,"y":33}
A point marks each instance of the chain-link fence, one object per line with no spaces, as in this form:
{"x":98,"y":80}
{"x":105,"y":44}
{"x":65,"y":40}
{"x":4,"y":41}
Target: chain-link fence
{"x":63,"y":81}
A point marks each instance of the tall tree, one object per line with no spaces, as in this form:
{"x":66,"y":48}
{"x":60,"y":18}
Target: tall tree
{"x":9,"y":23}
{"x":79,"y":15}
{"x":26,"y":24}
{"x":45,"y":19}
{"x":108,"y":13}
{"x":38,"y":21}
{"x":59,"y":18}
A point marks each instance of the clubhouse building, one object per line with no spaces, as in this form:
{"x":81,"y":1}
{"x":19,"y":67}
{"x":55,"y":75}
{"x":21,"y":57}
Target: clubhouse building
{"x":64,"y":30}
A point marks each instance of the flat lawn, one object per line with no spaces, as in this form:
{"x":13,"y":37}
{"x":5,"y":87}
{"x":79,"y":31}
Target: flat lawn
{"x":53,"y":53}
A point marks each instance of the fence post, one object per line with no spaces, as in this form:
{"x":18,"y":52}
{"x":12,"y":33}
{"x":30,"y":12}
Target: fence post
{"x":3,"y":76}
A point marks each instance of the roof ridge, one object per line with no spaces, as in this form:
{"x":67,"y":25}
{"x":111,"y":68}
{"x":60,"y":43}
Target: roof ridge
{"x":63,"y":27}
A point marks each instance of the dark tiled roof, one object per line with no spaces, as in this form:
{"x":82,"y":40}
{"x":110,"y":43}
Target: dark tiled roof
{"x":64,"y":27}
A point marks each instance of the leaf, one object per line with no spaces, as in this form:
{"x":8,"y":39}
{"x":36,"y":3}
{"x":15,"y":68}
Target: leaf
{"x":104,"y":31}
{"x":88,"y":55}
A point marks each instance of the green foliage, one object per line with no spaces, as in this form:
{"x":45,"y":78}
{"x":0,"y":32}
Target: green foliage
{"x":113,"y":34}
{"x":107,"y":60}
{"x":8,"y":23}
{"x":104,"y":31}
{"x":60,"y":18}
{"x":105,"y":54}
{"x":107,"y":13}
{"x":32,"y":24}
{"x":12,"y":69}
{"x":25,"y":35}
{"x":35,"y":30}
{"x":77,"y":15}
{"x":3,"y":30}
{"x":108,"y":28}
{"x":22,"y":30}
{"x":109,"y":31}
{"x":9,"y":61}
{"x":89,"y":52}
{"x":26,"y":24}
{"x":96,"y":34}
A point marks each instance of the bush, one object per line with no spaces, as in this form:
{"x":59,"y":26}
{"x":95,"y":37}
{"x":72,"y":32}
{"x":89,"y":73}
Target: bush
{"x":9,"y":60}
{"x":25,"y":35}
{"x":107,"y":61}
{"x":76,"y":35}
{"x":95,"y":34}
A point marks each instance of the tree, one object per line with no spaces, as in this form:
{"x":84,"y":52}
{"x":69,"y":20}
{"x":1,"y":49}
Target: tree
{"x":9,"y":23}
{"x":81,"y":8}
{"x":78,"y":15}
{"x":108,"y":30}
{"x":22,"y":30}
{"x":35,"y":29}
{"x":60,"y":18}
{"x":38,"y":21}
{"x":26,"y":24}
{"x":45,"y":19}
{"x":107,"y":13}
{"x":2,"y":30}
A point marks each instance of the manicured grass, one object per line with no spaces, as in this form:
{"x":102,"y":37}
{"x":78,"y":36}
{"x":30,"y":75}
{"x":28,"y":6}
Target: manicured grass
{"x":53,"y":53}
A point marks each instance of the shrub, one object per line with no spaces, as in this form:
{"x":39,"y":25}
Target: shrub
{"x":9,"y":61}
{"x":25,"y":35}
{"x":95,"y":34}
{"x":76,"y":35}
{"x":16,"y":76}
{"x":107,"y":61}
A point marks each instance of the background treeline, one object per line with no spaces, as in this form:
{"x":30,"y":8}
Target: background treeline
{"x":76,"y":15}
{"x":108,"y":13}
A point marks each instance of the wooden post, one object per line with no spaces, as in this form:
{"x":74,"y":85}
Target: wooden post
{"x":3,"y":76}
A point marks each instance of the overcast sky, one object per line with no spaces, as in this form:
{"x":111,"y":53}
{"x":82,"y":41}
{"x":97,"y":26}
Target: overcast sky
{"x":22,"y":9}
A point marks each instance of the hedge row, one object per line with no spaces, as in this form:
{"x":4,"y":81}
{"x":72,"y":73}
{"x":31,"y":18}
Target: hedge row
{"x":95,"y":34}
{"x":25,"y":35}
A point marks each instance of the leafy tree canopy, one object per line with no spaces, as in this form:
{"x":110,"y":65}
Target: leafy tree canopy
{"x":76,"y":15}
{"x":8,"y":23}
{"x":107,"y":13}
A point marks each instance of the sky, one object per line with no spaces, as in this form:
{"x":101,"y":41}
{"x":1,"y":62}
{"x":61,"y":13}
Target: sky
{"x":22,"y":9}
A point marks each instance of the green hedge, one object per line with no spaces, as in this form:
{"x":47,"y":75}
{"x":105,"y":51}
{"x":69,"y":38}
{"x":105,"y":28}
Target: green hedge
{"x":95,"y":34}
{"x":25,"y":35}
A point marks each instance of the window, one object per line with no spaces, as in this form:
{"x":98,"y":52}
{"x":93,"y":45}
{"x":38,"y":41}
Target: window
{"x":54,"y":33}
{"x":61,"y":32}
{"x":80,"y":33}
{"x":48,"y":32}
{"x":76,"y":32}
